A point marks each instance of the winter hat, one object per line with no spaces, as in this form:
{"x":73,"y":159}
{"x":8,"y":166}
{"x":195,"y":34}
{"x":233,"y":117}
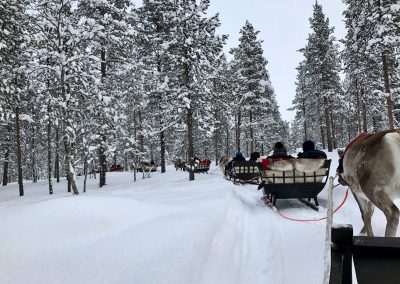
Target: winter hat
{"x":308,"y":146}
{"x":238,"y":153}
{"x":278,"y":145}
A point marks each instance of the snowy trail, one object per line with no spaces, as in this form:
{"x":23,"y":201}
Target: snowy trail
{"x":246,"y":242}
{"x":241,"y":246}
{"x":162,"y":230}
{"x":206,"y":231}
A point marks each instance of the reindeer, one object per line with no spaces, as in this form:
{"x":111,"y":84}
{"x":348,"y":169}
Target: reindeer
{"x":179,"y":164}
{"x":223,"y":161}
{"x":371,"y":168}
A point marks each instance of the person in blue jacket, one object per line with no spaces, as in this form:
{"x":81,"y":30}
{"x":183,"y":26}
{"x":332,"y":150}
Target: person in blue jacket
{"x":238,"y":157}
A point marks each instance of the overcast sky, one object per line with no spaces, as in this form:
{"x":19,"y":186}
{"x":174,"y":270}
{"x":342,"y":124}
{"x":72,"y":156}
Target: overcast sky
{"x":284,"y":27}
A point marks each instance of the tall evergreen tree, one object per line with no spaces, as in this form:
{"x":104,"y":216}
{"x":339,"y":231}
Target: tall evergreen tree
{"x":13,"y":84}
{"x":255,"y":98}
{"x":321,"y":69}
{"x":371,"y":56}
{"x":196,"y":45}
{"x":108,"y":27}
{"x":155,"y":24}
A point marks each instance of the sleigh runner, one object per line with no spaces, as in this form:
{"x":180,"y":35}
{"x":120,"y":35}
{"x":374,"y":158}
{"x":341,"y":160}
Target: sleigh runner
{"x":294,"y":178}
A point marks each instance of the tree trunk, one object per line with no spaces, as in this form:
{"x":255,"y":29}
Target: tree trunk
{"x":162,"y":149}
{"x":135,"y":147}
{"x":389,"y":99}
{"x":85,"y":172}
{"x":19,"y":157}
{"x":227,"y":141}
{"x":49,"y":165}
{"x":216,"y":139}
{"x":7,"y":156}
{"x":69,"y":169}
{"x":359,"y":127}
{"x":189,"y":121}
{"x":364,"y":113}
{"x":162,"y":134}
{"x":251,"y":134}
{"x":103,"y":166}
{"x":190,"y":141}
{"x":305,"y":121}
{"x":328,"y":124}
{"x":34,"y":171}
{"x":334,"y":138}
{"x":141,"y":136}
{"x":57,"y":158}
{"x":102,"y":150}
{"x":349,"y":130}
{"x":322,"y":133}
{"x":94,"y":167}
{"x":238,"y":124}
{"x":5,"y":167}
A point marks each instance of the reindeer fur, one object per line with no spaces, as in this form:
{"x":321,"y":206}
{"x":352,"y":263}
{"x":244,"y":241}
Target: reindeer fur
{"x":371,"y":168}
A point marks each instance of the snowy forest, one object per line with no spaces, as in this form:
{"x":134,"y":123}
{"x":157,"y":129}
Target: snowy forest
{"x":86,"y":84}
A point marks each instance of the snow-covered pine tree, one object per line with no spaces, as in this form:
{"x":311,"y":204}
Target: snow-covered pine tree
{"x":221,"y":107}
{"x":300,"y":102}
{"x":13,"y":82}
{"x":196,"y":45}
{"x":321,"y":67}
{"x":385,"y":39}
{"x":154,"y":26}
{"x":58,"y":40}
{"x":371,"y":56}
{"x":107,"y":25}
{"x":256,"y":98}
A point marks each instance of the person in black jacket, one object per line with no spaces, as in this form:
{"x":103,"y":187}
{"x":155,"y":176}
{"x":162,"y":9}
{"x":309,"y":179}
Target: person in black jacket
{"x":254,"y":156}
{"x":279,"y":151}
{"x":310,"y":152}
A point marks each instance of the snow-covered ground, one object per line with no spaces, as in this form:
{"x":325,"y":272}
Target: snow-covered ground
{"x":164,"y":229}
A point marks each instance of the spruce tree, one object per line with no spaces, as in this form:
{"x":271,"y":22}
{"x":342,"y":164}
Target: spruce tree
{"x":256,"y":99}
{"x":321,"y":68}
{"x":196,"y":45}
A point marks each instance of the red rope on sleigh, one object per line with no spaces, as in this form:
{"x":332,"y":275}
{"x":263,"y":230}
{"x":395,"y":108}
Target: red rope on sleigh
{"x":315,"y":220}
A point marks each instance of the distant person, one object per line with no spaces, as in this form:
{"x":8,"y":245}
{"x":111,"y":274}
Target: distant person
{"x":195,"y":161}
{"x":254,"y":156}
{"x":310,"y":152}
{"x":279,"y":151}
{"x":238,"y":157}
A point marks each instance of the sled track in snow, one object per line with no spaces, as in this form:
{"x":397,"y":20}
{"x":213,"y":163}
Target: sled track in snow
{"x":247,"y":241}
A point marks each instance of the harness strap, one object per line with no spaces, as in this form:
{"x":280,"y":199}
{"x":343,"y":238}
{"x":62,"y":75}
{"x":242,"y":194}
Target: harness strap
{"x":360,"y":136}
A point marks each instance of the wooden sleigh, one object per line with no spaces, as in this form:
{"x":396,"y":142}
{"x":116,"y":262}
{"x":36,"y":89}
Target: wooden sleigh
{"x":202,"y":166}
{"x":297,"y":182}
{"x":376,"y":259}
{"x":245,"y":171}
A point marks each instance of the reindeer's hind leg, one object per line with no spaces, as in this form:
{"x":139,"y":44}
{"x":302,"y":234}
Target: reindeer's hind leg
{"x":366,"y":209}
{"x":384,"y":203}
